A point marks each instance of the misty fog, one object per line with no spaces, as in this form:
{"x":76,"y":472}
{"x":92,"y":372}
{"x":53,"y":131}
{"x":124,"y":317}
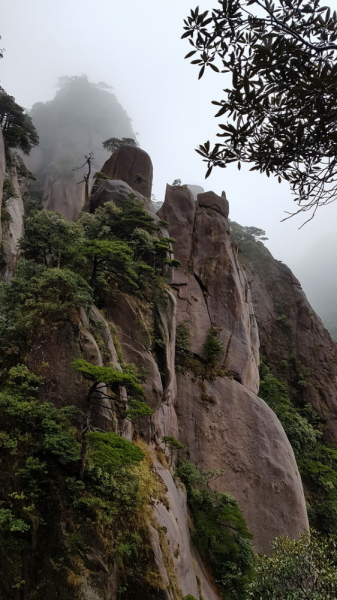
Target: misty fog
{"x":136,"y":49}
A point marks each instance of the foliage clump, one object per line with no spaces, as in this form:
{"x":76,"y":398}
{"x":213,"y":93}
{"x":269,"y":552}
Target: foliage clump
{"x":114,"y":143}
{"x":65,"y":266}
{"x":112,"y":379}
{"x":213,"y":346}
{"x":220,"y":533}
{"x":17,"y":127}
{"x":281,"y":105}
{"x":302,"y":569}
{"x":40,"y":450}
{"x":317,"y":461}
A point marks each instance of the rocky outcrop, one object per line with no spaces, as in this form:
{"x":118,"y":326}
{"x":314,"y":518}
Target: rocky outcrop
{"x":195,"y":189}
{"x":222,"y":422}
{"x":12,"y":226}
{"x":2,"y":173}
{"x":294,"y":342}
{"x":116,"y":191}
{"x":215,"y":202}
{"x":230,"y":428}
{"x":132,"y":165}
{"x":210,"y":286}
{"x":66,"y":196}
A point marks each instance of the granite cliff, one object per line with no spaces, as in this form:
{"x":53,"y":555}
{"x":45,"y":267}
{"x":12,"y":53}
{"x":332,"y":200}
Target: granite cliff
{"x":185,"y":332}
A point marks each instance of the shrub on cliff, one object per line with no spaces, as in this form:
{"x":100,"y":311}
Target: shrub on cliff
{"x":220,"y":533}
{"x":17,"y":127}
{"x":317,"y":462}
{"x":40,"y":447}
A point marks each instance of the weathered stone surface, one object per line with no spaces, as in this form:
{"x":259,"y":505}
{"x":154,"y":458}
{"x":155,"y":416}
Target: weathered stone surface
{"x":215,"y":202}
{"x":116,"y":191}
{"x":13,"y":229}
{"x":294,"y":341}
{"x":179,"y":210}
{"x":226,"y":426}
{"x":64,"y":196}
{"x":132,"y":165}
{"x":174,"y":519}
{"x":51,"y":356}
{"x":2,"y":173}
{"x":210,"y":286}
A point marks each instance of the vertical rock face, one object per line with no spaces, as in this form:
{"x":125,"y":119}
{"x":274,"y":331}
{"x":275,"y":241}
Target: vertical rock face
{"x":12,"y":229}
{"x":295,"y":343}
{"x":64,"y":196}
{"x":211,"y":288}
{"x":2,"y":173}
{"x":222,"y":423}
{"x":132,"y":165}
{"x":210,"y":406}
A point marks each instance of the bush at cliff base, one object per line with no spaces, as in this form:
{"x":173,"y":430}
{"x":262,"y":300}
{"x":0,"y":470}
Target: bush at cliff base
{"x":303,"y":569}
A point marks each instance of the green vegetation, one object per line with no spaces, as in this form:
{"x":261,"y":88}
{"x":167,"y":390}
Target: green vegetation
{"x":183,"y":338}
{"x":112,"y":452}
{"x":213,"y":347}
{"x":317,"y":462}
{"x":281,"y":103}
{"x":65,"y":266}
{"x":303,"y":569}
{"x":40,"y":450}
{"x":113,"y":143}
{"x":172,"y":444}
{"x":17,"y":127}
{"x":56,"y":461}
{"x":220,"y":533}
{"x":103,"y":378}
{"x":203,"y":369}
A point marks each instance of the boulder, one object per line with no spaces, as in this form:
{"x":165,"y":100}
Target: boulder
{"x":116,"y":191}
{"x":132,"y":165}
{"x":218,"y":203}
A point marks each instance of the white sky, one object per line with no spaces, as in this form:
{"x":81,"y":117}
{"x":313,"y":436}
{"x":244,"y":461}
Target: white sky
{"x":135,"y":46}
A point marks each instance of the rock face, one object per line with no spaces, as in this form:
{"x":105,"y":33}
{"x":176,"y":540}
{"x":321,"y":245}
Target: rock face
{"x":210,"y":406}
{"x":115,"y":191}
{"x":12,"y":229}
{"x":66,"y":197}
{"x":222,"y":422}
{"x":296,"y":345}
{"x":2,"y":173}
{"x":195,"y":189}
{"x":211,"y":288}
{"x":132,"y":165}
{"x":230,"y":428}
{"x":217,"y":203}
